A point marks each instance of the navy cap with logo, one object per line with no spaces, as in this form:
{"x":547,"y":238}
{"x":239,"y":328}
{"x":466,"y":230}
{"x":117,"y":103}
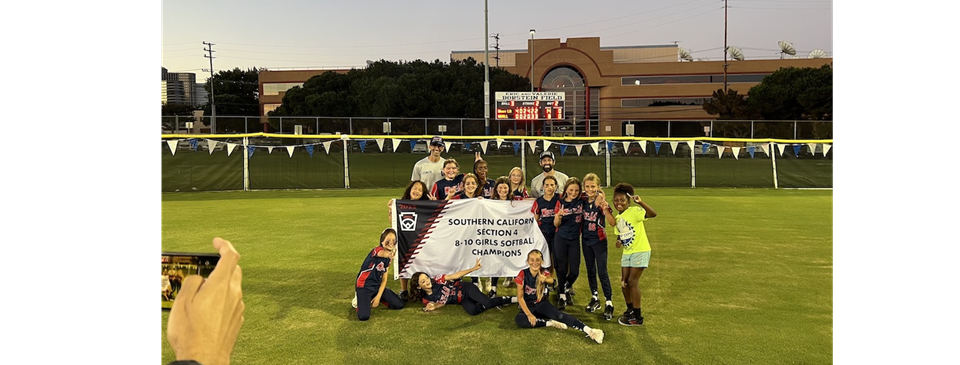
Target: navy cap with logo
{"x":436,"y":141}
{"x":546,"y":154}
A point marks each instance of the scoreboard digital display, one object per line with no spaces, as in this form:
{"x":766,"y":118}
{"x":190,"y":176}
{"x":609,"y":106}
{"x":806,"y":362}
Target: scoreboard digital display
{"x":530,"y":105}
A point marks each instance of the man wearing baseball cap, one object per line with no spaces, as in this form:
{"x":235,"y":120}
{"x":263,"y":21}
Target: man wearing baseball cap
{"x":546,"y":162}
{"x":430,"y":168}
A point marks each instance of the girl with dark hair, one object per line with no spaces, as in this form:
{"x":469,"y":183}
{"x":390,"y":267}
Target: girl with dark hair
{"x":568,"y":218}
{"x":448,"y":289}
{"x":501,"y":191}
{"x":371,"y":286}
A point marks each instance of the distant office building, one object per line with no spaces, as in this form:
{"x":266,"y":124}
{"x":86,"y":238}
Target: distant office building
{"x":201,"y":94}
{"x":178,"y":88}
{"x":605,"y":88}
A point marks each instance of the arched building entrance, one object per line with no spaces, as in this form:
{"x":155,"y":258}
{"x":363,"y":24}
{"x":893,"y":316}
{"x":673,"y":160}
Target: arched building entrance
{"x":577,"y":101}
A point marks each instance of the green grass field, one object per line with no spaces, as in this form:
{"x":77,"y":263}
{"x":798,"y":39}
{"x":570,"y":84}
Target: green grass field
{"x":737,"y":276}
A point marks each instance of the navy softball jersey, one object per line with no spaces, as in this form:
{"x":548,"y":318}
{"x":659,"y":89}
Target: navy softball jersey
{"x":526,"y":280}
{"x":445,"y":291}
{"x":372,"y":270}
{"x":444,"y":187}
{"x":570,"y":223}
{"x":593,"y":224}
{"x":546,"y":209}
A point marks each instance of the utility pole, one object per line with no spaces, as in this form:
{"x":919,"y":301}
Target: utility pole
{"x":496,"y":47}
{"x":213,"y":97}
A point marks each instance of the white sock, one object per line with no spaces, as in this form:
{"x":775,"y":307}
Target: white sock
{"x":563,"y":296}
{"x":587,"y":329}
{"x":494,"y":288}
{"x":513,"y":299}
{"x":595,"y":297}
{"x":609,"y":303}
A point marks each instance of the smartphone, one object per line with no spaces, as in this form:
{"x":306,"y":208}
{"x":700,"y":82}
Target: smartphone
{"x":175,"y":266}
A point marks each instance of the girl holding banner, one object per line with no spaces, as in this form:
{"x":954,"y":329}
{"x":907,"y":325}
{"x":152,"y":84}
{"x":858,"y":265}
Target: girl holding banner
{"x":517,"y":185}
{"x":471,"y":189}
{"x":501,"y":191}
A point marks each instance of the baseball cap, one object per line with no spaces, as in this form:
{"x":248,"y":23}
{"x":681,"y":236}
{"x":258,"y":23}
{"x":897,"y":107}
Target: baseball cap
{"x":546,"y":154}
{"x":436,"y":141}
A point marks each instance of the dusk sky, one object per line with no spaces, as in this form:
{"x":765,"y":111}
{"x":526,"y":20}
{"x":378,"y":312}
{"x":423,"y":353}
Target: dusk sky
{"x":290,"y":34}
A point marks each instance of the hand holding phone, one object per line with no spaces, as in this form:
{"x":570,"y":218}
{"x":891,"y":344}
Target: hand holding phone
{"x":207,"y":314}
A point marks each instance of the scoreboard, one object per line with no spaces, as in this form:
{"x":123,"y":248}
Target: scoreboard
{"x":530,"y":105}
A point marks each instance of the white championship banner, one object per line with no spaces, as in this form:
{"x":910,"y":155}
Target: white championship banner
{"x":446,"y":236}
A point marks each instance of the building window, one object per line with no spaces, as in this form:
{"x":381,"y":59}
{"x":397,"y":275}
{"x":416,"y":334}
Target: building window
{"x":279,"y":87}
{"x":690,"y":79}
{"x":267,"y":108}
{"x":651,"y":102}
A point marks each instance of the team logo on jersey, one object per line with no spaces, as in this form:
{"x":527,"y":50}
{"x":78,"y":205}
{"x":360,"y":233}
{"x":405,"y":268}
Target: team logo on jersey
{"x":408,"y":221}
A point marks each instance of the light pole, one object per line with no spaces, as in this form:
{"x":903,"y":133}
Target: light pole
{"x":486,"y":71}
{"x":532,"y":33}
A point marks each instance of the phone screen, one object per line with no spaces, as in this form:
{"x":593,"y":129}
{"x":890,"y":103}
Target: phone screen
{"x":175,"y":266}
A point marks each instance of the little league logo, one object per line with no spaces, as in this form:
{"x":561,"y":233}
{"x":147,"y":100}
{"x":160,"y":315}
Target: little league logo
{"x":408,"y":221}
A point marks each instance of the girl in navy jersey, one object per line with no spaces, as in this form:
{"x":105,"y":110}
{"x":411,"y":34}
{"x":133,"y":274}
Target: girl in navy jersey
{"x":535,"y":311}
{"x":517,"y":186}
{"x":480,"y":169}
{"x":448,"y":289}
{"x":543,"y":212}
{"x":594,"y":240}
{"x":501,"y":191}
{"x":371,"y":286}
{"x":471,"y":187}
{"x":568,"y":218}
{"x":449,"y":185}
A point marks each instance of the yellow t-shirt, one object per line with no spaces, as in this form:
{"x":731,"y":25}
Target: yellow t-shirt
{"x":630,"y":231}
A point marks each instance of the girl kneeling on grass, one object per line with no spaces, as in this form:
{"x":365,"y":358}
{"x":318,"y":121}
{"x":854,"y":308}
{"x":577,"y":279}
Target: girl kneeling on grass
{"x":372,"y":280}
{"x":537,"y":312}
{"x":448,"y":289}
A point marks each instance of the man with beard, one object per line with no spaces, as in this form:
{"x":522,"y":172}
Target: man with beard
{"x":546,"y":162}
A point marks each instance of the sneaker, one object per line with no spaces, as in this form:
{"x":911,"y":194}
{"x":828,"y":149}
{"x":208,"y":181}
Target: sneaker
{"x":354,"y":302}
{"x":404,"y":296}
{"x":596,"y":335}
{"x":608,"y":312}
{"x":630,"y":320}
{"x":561,"y":303}
{"x":555,"y":324}
{"x":492,"y":293}
{"x":593,"y":306}
{"x":508,"y":301}
{"x":569,"y":298}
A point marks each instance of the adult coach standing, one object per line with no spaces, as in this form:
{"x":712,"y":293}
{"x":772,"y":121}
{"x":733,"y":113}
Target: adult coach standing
{"x":430,"y":168}
{"x":546,"y":162}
